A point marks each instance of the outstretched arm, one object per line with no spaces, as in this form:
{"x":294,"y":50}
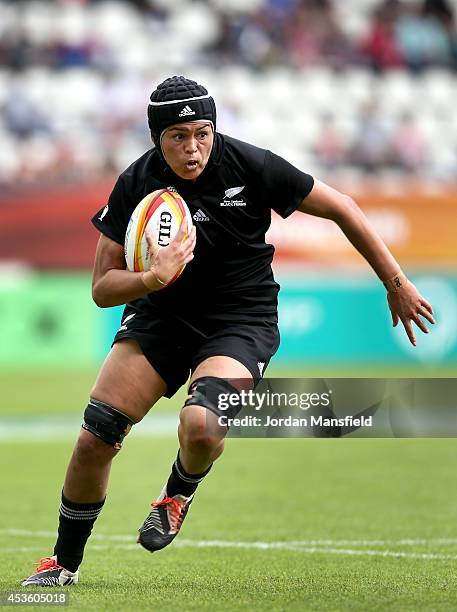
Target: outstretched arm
{"x":405,"y":302}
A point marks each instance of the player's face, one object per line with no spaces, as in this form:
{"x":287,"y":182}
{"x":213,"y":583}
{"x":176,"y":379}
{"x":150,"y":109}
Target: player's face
{"x":187,"y":147}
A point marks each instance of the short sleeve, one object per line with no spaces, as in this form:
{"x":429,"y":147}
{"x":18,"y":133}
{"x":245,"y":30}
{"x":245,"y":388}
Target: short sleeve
{"x":113,"y":218}
{"x":285,"y":186}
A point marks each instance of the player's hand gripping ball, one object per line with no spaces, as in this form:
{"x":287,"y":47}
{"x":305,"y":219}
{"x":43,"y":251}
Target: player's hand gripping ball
{"x":160,"y":215}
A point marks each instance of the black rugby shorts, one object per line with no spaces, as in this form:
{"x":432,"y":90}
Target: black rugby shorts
{"x":175,"y":347}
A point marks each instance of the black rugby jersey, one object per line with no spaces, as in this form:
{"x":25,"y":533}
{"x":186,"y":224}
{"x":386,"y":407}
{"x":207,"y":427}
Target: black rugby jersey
{"x":230,"y":276}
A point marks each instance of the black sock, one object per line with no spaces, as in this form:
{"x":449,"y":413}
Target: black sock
{"x":182,"y":483}
{"x":75,"y":525}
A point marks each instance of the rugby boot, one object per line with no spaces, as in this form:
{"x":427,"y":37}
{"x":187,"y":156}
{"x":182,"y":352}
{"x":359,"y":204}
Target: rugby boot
{"x":50,"y":574}
{"x":164,"y":521}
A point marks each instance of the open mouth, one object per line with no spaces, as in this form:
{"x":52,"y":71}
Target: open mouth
{"x":191,"y":164}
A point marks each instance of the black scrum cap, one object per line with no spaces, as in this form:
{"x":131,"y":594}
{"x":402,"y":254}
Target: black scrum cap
{"x":179,"y":100}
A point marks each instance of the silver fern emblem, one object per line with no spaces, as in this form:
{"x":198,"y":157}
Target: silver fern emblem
{"x":231,"y":193}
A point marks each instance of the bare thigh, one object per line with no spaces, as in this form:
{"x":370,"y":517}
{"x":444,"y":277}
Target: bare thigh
{"x":127,"y":381}
{"x":224,"y":367}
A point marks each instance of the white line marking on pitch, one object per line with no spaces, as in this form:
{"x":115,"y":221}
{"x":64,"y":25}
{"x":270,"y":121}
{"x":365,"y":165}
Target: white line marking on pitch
{"x":401,"y":542}
{"x":303,"y":546}
{"x":57,"y":428}
{"x":300,"y":543}
{"x":265,"y":546}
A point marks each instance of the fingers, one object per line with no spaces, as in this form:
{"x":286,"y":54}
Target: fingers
{"x":189,"y":245}
{"x":426,"y":314}
{"x":418,"y":321}
{"x":420,"y":324}
{"x":179,"y":239}
{"x":409,"y":331}
{"x":153,"y":247}
{"x":184,"y":231}
{"x":423,"y":312}
{"x":192,"y":239}
{"x":409,"y":306}
{"x":181,"y":232}
{"x":185,"y":254}
{"x":427,"y":305}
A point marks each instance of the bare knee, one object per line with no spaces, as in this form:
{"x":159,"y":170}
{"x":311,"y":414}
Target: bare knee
{"x":197,"y":433}
{"x":90,"y":450}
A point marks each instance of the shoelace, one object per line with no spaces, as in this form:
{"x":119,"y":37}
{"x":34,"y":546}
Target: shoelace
{"x":175,"y":511}
{"x":45,"y":564}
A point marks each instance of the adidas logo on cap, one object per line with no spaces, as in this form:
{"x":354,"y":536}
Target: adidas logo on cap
{"x":186,"y":111}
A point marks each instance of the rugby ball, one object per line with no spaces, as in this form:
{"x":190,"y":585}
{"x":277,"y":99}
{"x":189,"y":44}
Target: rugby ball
{"x":161,"y":213}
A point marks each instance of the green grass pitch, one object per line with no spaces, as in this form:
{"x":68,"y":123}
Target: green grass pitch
{"x":278,"y":525}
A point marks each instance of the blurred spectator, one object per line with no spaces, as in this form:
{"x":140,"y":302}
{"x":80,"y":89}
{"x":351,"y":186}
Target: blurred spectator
{"x":331,"y":148}
{"x":74,"y":77}
{"x":286,"y":32}
{"x":21,"y":116}
{"x":313,"y":36}
{"x":370,"y":149}
{"x":69,"y":54}
{"x":444,"y":13}
{"x":254,"y":40}
{"x":423,"y":38}
{"x":259,"y":41}
{"x":408,"y":146}
{"x":17,"y":51}
{"x":381,"y":47}
{"x":226,"y":47}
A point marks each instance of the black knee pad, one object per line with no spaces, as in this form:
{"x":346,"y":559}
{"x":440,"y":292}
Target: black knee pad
{"x":208,"y":391}
{"x":107,"y":423}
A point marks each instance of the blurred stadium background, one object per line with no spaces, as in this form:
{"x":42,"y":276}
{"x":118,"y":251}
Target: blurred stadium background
{"x":363,"y":95}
